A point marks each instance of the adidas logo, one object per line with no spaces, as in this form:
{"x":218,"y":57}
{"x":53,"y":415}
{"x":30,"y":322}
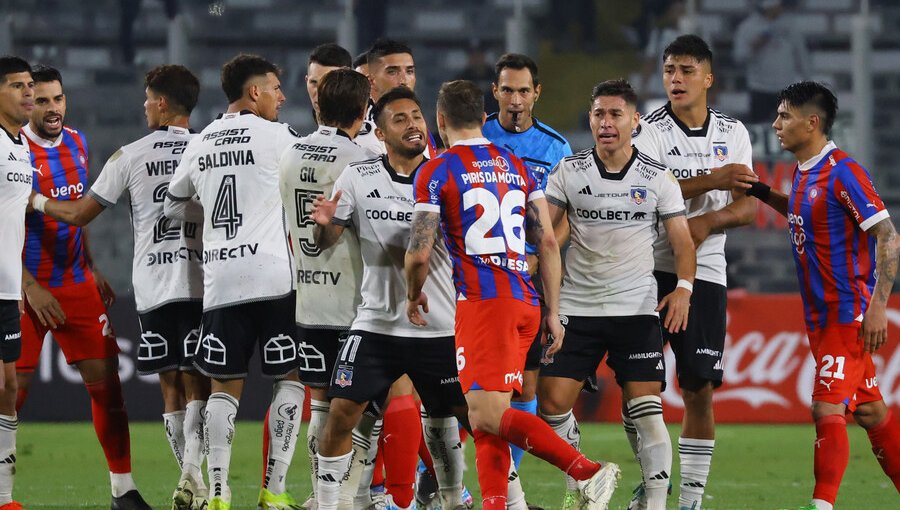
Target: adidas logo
{"x":660,"y":366}
{"x":662,"y":475}
{"x":12,"y":157}
{"x":327,"y":477}
{"x":585,"y":191}
{"x":718,"y":365}
{"x":674,"y":151}
{"x":374,"y":194}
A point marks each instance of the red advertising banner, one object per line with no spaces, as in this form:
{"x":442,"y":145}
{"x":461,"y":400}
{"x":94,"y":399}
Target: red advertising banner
{"x":767,"y":364}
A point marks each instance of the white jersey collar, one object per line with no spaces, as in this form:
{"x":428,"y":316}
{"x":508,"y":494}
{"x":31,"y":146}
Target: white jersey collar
{"x":811,"y":162}
{"x":472,"y":141}
{"x":41,"y":142}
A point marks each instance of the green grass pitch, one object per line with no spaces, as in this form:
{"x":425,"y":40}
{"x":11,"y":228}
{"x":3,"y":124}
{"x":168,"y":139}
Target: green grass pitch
{"x":765,"y":467}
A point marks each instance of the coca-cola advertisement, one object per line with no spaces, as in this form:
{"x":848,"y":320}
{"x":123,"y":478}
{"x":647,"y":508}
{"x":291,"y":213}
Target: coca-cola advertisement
{"x":767,"y":364}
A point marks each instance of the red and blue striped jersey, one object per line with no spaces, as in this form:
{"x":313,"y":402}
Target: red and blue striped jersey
{"x":54,"y":251}
{"x":480,"y":191}
{"x":831,"y":205}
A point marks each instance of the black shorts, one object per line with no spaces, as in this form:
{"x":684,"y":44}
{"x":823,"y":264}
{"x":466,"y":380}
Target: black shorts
{"x":634,"y":344}
{"x":369,"y":363}
{"x":10,"y":331}
{"x":317,"y":349}
{"x":230,"y":334}
{"x":169,"y":337}
{"x":698,"y":350}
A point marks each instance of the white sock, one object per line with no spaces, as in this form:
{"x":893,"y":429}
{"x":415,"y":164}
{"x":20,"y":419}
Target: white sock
{"x":174,"y":423}
{"x":565,"y":427}
{"x":193,"y":438}
{"x":221,"y":409}
{"x":822,"y":504}
{"x":318,"y":413}
{"x":355,"y":487}
{"x":631,"y":433}
{"x":284,"y":425}
{"x":442,"y":439}
{"x":8,"y":427}
{"x":655,"y":453}
{"x":331,"y":472}
{"x":515,"y":495}
{"x":120,"y":483}
{"x":695,"y":456}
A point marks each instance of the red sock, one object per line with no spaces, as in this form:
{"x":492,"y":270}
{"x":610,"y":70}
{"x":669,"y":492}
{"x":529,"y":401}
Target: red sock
{"x":832,"y":452}
{"x":21,"y":395}
{"x":265,"y":447}
{"x":492,"y":463}
{"x":402,"y":434}
{"x":111,"y":423}
{"x":533,"y":435}
{"x":885,"y":440}
{"x":378,"y":473}
{"x":425,"y":455}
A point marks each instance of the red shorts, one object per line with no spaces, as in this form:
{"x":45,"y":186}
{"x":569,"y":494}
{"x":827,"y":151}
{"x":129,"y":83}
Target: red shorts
{"x":492,"y":340}
{"x":86,"y":334}
{"x":845,"y":373}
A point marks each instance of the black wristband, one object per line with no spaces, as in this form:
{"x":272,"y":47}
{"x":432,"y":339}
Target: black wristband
{"x":760,"y":191}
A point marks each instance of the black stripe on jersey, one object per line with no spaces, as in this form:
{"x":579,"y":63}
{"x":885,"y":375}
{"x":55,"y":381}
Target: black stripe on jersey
{"x":662,"y":217}
{"x":655,"y":115}
{"x":685,"y":128}
{"x":723,"y":117}
{"x":647,"y":160}
{"x":492,"y":117}
{"x":546,"y":130}
{"x":584,"y":154}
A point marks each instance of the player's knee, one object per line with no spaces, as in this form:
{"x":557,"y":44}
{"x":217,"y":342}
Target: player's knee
{"x":697,"y":395}
{"x":822,"y":409}
{"x":870,"y":414}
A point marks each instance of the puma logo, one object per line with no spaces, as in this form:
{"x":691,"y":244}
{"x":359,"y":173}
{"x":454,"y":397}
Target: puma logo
{"x":826,"y":384}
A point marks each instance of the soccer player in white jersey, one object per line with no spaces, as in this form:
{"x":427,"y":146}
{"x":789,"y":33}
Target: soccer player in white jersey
{"x":166,"y":273}
{"x":610,"y":199}
{"x":375,"y":199}
{"x":323,"y":59}
{"x":16,"y":103}
{"x":710,"y":154}
{"x":248,"y":295}
{"x":309,"y":168}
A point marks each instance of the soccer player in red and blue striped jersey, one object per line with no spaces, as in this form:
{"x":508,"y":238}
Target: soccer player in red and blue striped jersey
{"x":487,"y":204}
{"x":842,"y":238}
{"x":63,"y":293}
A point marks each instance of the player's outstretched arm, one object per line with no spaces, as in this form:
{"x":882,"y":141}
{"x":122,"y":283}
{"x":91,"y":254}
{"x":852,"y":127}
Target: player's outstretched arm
{"x":74,"y":212}
{"x":731,"y":177}
{"x":418,"y":253}
{"x":774,"y":199}
{"x":539,"y":232}
{"x":678,"y":301}
{"x":736,"y":214}
{"x":887,"y":252}
{"x":326,"y":233}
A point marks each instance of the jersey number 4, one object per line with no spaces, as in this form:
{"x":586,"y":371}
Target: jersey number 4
{"x":509,"y":212}
{"x":225,"y":209}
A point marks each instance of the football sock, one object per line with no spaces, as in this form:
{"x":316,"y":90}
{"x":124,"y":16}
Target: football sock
{"x":221,"y":409}
{"x":533,"y":435}
{"x":8,"y":427}
{"x":528,"y":407}
{"x":120,"y":483}
{"x":515,"y":495}
{"x":284,"y":425}
{"x":193,"y":437}
{"x":111,"y":422}
{"x":441,"y":436}
{"x":566,"y":427}
{"x":401,"y":435}
{"x":655,"y":453}
{"x":885,"y":439}
{"x":352,"y":485}
{"x":492,"y":462}
{"x":695,"y":457}
{"x":831,"y":454}
{"x":424,"y":454}
{"x":328,"y":486}
{"x":822,"y":505}
{"x":318,"y":414}
{"x":373,"y":472}
{"x":630,"y":432}
{"x":174,"y":423}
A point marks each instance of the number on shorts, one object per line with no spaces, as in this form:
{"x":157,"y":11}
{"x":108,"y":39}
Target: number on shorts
{"x":829,"y":361}
{"x":225,"y":209}
{"x":492,"y":211}
{"x":107,"y":329}
{"x":460,"y":358}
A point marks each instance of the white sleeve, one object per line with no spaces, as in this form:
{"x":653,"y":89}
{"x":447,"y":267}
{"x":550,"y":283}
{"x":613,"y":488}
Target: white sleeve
{"x":648,"y":142}
{"x":556,"y":187}
{"x":113,"y":180}
{"x":670,"y":201}
{"x":744,"y":150}
{"x":347,"y":203}
{"x":286,"y":138}
{"x":181,"y":189}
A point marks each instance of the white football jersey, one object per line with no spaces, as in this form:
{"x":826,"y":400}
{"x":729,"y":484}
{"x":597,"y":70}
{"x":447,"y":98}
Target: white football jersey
{"x":378,"y":204}
{"x":16,"y":174}
{"x":614,"y":219}
{"x":168,"y":254}
{"x":232,"y":165}
{"x":308,"y":169}
{"x":688,"y":153}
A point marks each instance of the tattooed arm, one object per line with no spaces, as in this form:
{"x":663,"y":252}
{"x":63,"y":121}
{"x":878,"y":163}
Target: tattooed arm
{"x":421,"y":239}
{"x":539,"y":232}
{"x":874,"y":324}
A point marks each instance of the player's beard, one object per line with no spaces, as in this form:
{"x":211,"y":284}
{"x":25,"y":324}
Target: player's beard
{"x":408,"y":152}
{"x":44,"y":132}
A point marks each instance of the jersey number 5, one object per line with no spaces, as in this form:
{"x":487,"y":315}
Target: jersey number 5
{"x":494,"y":210}
{"x":225,"y":209}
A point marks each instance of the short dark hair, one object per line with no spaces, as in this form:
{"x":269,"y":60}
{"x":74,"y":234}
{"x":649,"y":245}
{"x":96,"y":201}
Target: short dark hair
{"x":343,"y":97}
{"x":395,"y":94}
{"x":689,"y":45}
{"x":517,"y":61}
{"x":462,"y":103}
{"x":814,"y":94}
{"x":10,"y":64}
{"x":177,"y":83}
{"x":45,"y":74}
{"x":237,"y":71}
{"x":384,"y":47}
{"x":361,"y":59}
{"x":331,"y":55}
{"x":615,"y":88}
